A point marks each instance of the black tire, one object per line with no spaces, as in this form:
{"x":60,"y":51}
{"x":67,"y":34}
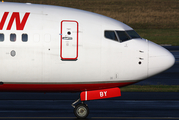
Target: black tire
{"x":81,"y":111}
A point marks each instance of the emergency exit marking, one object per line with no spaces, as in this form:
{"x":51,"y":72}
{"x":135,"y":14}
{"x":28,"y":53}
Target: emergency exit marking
{"x":103,"y":94}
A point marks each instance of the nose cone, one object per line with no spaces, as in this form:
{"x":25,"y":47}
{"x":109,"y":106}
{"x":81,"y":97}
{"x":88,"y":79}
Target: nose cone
{"x":160,"y":59}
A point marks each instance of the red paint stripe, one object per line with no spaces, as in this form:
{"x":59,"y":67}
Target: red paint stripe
{"x":58,"y":87}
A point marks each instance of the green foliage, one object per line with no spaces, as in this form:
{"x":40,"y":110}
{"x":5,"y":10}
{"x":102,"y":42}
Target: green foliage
{"x":160,"y":36}
{"x":151,"y":88}
{"x":136,"y":13}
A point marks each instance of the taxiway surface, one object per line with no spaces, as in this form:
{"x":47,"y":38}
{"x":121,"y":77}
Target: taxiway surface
{"x":131,"y":105}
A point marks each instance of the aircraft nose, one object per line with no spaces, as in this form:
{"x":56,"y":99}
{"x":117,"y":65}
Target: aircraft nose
{"x":160,"y":59}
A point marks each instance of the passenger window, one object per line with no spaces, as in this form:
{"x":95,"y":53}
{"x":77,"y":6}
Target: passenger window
{"x":1,"y":37}
{"x":12,"y":37}
{"x":122,"y":36}
{"x":111,"y":35}
{"x":24,"y":37}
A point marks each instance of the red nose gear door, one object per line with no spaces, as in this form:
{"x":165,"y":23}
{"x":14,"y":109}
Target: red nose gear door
{"x":100,"y":94}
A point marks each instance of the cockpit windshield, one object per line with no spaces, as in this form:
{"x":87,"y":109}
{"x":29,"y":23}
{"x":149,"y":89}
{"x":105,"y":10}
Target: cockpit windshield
{"x":133,"y":34}
{"x":121,"y":36}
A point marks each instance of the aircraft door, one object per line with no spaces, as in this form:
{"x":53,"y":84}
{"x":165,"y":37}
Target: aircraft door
{"x":69,"y":40}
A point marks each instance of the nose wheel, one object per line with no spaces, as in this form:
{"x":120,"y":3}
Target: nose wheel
{"x":81,"y":110}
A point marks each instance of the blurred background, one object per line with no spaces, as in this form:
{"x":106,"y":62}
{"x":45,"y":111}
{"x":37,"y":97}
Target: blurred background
{"x":155,"y":20}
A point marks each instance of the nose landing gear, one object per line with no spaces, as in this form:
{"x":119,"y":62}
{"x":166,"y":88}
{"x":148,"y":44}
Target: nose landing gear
{"x":81,"y":110}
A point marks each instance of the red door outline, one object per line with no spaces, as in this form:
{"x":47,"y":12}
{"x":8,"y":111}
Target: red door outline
{"x":75,"y":58}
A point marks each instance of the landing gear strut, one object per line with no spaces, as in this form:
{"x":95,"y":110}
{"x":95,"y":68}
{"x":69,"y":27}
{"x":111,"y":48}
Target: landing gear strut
{"x":80,"y":110}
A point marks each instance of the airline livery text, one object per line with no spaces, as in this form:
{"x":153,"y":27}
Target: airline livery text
{"x":15,"y":16}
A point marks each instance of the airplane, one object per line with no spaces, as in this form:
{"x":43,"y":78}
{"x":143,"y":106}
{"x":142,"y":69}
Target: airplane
{"x":47,"y":48}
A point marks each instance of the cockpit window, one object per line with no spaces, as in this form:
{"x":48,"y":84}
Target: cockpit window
{"x":123,"y":36}
{"x":133,"y":34}
{"x":111,"y":35}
